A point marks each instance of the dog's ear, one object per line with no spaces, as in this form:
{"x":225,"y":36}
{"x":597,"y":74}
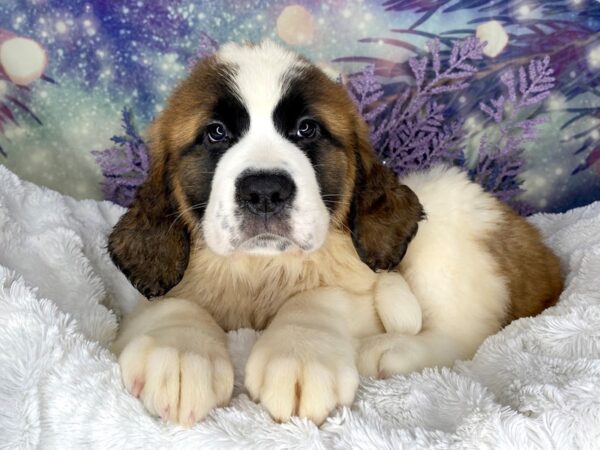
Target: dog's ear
{"x":385,"y":213}
{"x":149,"y":243}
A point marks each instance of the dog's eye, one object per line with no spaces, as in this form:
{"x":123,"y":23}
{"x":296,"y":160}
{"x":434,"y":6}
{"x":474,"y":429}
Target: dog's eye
{"x":216,"y":132}
{"x":307,"y":129}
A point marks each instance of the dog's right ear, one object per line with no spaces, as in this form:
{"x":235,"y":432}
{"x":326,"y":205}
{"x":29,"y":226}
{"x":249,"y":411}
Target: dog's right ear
{"x":150,"y":244}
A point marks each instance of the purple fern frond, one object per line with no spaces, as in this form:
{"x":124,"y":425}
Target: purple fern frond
{"x":500,"y":164}
{"x":508,"y":79}
{"x":418,"y":67}
{"x":412,"y":132}
{"x":540,"y":82}
{"x":365,"y":90}
{"x":124,"y":165}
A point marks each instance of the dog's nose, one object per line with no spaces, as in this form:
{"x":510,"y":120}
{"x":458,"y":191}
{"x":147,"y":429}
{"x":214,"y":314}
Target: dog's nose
{"x":265,"y":193}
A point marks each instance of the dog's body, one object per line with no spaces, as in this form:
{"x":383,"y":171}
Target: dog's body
{"x":303,"y":273}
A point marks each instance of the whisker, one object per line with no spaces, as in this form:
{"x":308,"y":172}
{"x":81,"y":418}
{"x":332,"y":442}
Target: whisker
{"x":205,"y":173}
{"x":337,"y":203}
{"x":341,"y":224}
{"x":190,"y":208}
{"x":181,"y":213}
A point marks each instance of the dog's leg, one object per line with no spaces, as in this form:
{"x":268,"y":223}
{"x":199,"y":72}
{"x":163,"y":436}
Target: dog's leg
{"x":174,"y":356}
{"x":304,"y":362}
{"x":388,"y":354}
{"x":396,"y":305}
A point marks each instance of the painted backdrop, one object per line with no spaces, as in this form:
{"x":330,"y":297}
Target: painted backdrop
{"x":68,"y":68}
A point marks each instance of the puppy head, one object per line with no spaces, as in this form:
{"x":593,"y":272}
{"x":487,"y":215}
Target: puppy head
{"x":259,"y":152}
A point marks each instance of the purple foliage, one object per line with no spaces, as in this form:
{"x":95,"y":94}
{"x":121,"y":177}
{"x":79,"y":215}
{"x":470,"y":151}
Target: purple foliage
{"x":414,"y":131}
{"x":499,"y":164}
{"x":124,"y":165}
{"x":366,"y":90}
{"x":558,"y":28}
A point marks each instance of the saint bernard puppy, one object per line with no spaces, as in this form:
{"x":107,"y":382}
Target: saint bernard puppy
{"x":266,"y":207}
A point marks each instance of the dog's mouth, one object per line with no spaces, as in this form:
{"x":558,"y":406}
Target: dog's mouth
{"x":272,"y":236}
{"x":267,"y":236}
{"x":267,"y":243}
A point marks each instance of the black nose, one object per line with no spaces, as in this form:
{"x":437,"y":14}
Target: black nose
{"x":265,"y":193}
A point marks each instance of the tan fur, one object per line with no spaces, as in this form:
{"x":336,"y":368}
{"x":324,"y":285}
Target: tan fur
{"x":472,"y":266}
{"x":246,"y":291}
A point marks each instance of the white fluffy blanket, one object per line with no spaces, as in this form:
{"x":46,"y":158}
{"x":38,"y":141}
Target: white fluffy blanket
{"x":536,"y":384}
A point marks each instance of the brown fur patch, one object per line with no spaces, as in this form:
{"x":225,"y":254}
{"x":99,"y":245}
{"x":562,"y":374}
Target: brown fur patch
{"x":532,"y":270}
{"x":151,"y":242}
{"x":191,"y":102}
{"x":386,"y":213}
{"x":149,"y":246}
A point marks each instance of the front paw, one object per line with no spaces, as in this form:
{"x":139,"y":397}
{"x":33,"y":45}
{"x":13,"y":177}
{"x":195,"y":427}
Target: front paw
{"x":179,"y":386}
{"x":295,"y":371}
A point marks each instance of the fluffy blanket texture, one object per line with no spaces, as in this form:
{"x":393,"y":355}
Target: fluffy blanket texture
{"x":536,"y":384}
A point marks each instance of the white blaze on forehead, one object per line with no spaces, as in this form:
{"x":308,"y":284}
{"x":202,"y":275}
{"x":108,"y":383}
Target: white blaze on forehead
{"x":259,"y":73}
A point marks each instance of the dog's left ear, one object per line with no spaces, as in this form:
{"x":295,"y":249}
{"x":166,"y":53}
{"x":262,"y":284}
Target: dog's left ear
{"x":385,"y":214}
{"x":148,"y":244}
